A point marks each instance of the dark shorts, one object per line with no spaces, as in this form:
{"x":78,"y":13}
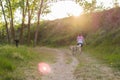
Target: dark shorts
{"x":80,"y":44}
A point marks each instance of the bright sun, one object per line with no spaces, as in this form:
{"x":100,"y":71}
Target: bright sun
{"x":73,"y":9}
{"x":77,"y":11}
{"x":63,"y":9}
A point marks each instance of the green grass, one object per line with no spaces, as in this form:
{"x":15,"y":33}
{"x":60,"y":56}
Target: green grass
{"x":13,"y":61}
{"x":10,"y":58}
{"x":104,"y":45}
{"x":107,"y":54}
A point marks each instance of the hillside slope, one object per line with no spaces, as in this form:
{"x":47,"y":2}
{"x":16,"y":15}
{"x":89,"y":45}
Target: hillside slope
{"x":64,"y":31}
{"x":101,"y":31}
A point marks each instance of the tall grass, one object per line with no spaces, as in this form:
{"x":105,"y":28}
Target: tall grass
{"x":107,"y":54}
{"x":14,"y":60}
{"x":10,"y":58}
{"x":104,"y":45}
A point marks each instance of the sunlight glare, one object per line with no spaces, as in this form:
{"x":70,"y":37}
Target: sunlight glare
{"x":77,"y":12}
{"x":63,"y":9}
{"x":44,"y":68}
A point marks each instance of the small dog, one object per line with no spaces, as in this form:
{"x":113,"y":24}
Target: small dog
{"x":74,"y":49}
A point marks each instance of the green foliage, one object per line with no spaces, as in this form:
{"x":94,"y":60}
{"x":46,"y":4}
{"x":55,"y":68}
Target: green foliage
{"x":89,"y":6}
{"x":14,"y":53}
{"x":6,"y":65}
{"x":10,"y":58}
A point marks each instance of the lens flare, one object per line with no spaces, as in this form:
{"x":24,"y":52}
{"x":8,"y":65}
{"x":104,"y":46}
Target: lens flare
{"x":44,"y":68}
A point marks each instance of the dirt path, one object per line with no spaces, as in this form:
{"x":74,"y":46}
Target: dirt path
{"x":64,"y":67}
{"x":92,"y":69}
{"x":89,"y":68}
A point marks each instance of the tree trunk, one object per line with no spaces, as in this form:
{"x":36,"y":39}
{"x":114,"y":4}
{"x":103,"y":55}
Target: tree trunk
{"x":11,"y":22}
{"x":29,"y":22}
{"x":38,"y":24}
{"x":6,"y":24}
{"x":23,"y":23}
{"x":22,"y":26}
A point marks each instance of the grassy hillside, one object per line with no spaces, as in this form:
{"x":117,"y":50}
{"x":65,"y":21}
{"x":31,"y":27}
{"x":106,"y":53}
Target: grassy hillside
{"x":104,"y":45}
{"x":64,"y":31}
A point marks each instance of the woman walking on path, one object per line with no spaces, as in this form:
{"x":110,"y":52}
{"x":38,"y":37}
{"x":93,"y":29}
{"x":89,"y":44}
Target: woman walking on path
{"x":80,"y":42}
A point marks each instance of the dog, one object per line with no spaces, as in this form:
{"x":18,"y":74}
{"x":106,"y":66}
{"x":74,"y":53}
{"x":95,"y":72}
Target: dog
{"x":74,"y":49}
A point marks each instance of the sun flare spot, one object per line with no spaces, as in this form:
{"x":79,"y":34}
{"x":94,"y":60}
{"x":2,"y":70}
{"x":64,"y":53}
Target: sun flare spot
{"x":77,"y":12}
{"x":44,"y":68}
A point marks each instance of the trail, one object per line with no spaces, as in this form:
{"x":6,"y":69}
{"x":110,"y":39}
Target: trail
{"x":63,"y":69}
{"x":66,"y":68}
{"x":92,"y":69}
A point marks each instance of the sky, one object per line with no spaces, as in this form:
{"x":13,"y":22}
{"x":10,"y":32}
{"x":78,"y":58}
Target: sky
{"x":62,"y":9}
{"x":66,"y":8}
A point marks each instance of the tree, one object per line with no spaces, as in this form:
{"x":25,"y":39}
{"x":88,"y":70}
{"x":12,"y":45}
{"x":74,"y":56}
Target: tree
{"x":11,"y":20}
{"x":29,"y":22}
{"x":6,"y":23}
{"x":116,"y":4}
{"x":88,"y":6}
{"x":30,"y":9}
{"x":38,"y":22}
{"x":23,"y":7}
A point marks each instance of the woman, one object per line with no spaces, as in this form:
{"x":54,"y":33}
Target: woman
{"x":80,"y":41}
